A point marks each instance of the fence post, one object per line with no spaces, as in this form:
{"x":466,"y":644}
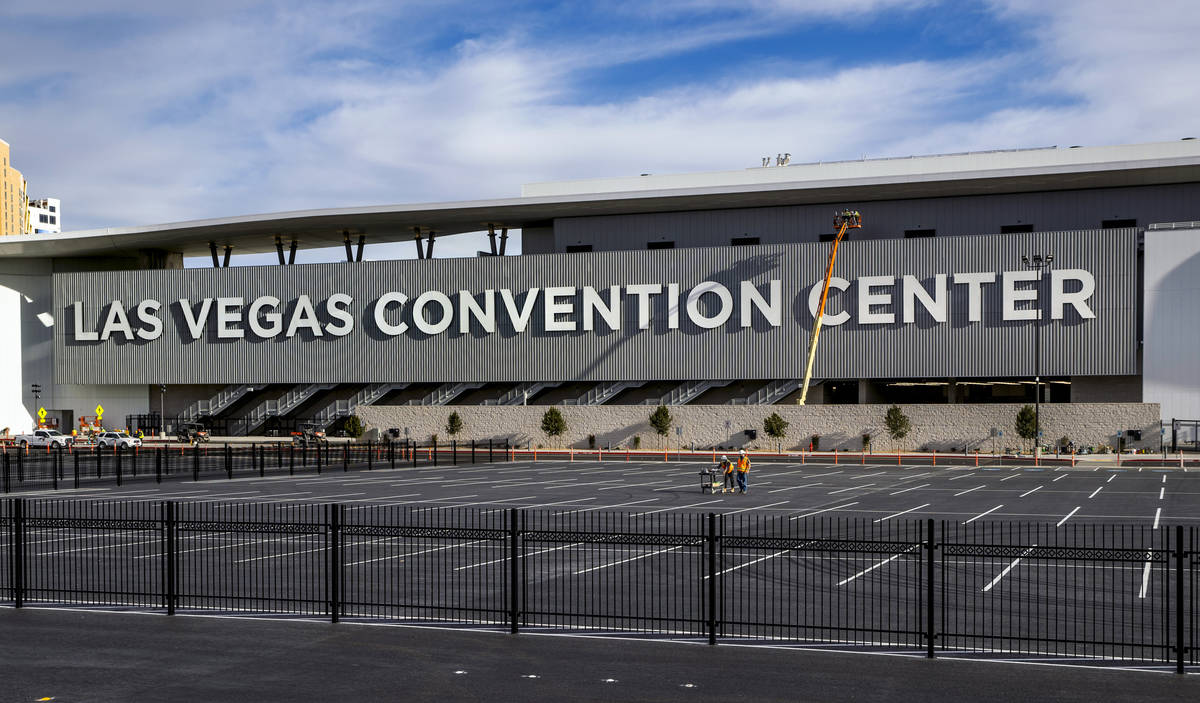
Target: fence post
{"x":99,"y":460}
{"x":490,"y":459}
{"x":1180,"y":648}
{"x":391,"y":453}
{"x":370,"y":456}
{"x":929,"y":547}
{"x":291,"y":459}
{"x":56,"y":465}
{"x":514,"y":582}
{"x":434,"y":452}
{"x":319,"y":456}
{"x":7,"y":469}
{"x":413,"y":451}
{"x":75,"y":454}
{"x":454,"y":452}
{"x":196,"y":463}
{"x":169,"y":554}
{"x":158,"y":466}
{"x":335,"y":560}
{"x":712,"y":578}
{"x":262,"y":461}
{"x":472,"y":451}
{"x":345,"y":457}
{"x":18,"y":547}
{"x":229,"y":460}
{"x":117,"y":463}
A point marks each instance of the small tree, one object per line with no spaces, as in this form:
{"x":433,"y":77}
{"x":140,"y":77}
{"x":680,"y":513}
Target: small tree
{"x":553,"y":423}
{"x":1026,"y":424}
{"x":897,"y":423}
{"x":353,"y":426}
{"x":775,"y":426}
{"x":454,"y":424}
{"x":661,"y":421}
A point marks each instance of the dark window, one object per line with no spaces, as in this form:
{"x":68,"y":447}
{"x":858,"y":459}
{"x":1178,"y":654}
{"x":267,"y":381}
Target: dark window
{"x":53,"y":209}
{"x":827,"y":237}
{"x":743,"y":241}
{"x":660,"y":245}
{"x":1015,"y":229}
{"x":53,"y":220}
{"x":43,"y":218}
{"x":1117,"y":224}
{"x":914,"y":233}
{"x":578,"y":248}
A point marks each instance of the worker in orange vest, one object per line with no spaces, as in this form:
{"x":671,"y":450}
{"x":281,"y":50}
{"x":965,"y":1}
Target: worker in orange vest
{"x":743,"y":468}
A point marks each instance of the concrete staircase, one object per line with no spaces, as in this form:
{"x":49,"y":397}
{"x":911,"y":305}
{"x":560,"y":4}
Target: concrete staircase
{"x":603,"y":393}
{"x":521,"y":393}
{"x":686,"y":392}
{"x":277,"y":407}
{"x":771,"y":393}
{"x":445,"y":393}
{"x":343,"y":408}
{"x":214,"y":405}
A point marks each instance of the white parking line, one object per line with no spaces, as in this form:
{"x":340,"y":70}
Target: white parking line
{"x":1010,"y":476}
{"x":986,"y":512}
{"x":955,"y":478}
{"x":625,"y":561}
{"x":400,"y":556}
{"x":792,"y":488}
{"x":1157,"y":515}
{"x":1035,"y":490}
{"x":818,"y":512}
{"x":1093,"y":495}
{"x":750,"y":563}
{"x":592,"y":483}
{"x":852,"y":488}
{"x":1007,"y":569}
{"x":1068,"y":517}
{"x":1110,"y":478}
{"x":869,"y":569}
{"x":755,"y":507}
{"x":963,"y":493}
{"x":878,"y":473}
{"x":889,"y":517}
{"x":1145,"y":577}
{"x":906,"y":490}
{"x":1161,"y":490}
{"x":1060,"y":478}
{"x":632,"y":485}
{"x":681,"y":507}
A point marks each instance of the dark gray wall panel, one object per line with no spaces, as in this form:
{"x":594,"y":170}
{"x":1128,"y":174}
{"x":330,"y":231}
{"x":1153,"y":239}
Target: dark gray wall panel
{"x":1102,"y":346}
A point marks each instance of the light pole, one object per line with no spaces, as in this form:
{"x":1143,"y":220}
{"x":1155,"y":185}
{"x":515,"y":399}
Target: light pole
{"x":1038,"y":262}
{"x":162,"y":410}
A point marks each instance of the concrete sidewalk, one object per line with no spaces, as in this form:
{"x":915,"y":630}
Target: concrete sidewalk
{"x":70,"y":656}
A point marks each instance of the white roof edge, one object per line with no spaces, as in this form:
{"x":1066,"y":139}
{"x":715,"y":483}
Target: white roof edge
{"x":1114,"y":156}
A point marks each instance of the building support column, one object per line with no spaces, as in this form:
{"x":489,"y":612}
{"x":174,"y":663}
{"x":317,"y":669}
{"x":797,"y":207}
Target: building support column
{"x":429,"y":246}
{"x":492,"y":237}
{"x":228,"y":253}
{"x":349,"y":252}
{"x":952,"y":391}
{"x":362,"y":242}
{"x":503,"y":240}
{"x":292,"y":253}
{"x":212,"y":247}
{"x":417,"y":241}
{"x":279,"y":250}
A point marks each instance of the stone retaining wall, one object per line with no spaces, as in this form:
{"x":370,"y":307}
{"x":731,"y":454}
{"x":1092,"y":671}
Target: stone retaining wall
{"x":940,"y":427}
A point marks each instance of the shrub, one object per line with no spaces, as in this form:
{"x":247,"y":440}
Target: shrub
{"x":454,"y":424}
{"x":897,"y":423}
{"x":591,"y":441}
{"x":433,"y":438}
{"x":553,"y":423}
{"x":1026,"y":423}
{"x":816,"y":443}
{"x":637,"y":441}
{"x":353,"y":426}
{"x":661,"y":420}
{"x":775,"y":426}
{"x":866,"y":441}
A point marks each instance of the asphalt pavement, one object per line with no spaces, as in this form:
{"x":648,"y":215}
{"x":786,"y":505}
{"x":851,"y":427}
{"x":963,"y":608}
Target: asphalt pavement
{"x":76,"y":656}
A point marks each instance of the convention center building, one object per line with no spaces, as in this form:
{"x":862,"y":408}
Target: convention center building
{"x":976,"y":280}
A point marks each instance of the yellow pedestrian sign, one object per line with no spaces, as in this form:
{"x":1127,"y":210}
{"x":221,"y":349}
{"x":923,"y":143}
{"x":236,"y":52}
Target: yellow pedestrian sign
{"x":99,"y":411}
{"x":41,"y":413}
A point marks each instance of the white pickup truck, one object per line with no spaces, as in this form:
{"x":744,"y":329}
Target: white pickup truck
{"x":44,"y":438}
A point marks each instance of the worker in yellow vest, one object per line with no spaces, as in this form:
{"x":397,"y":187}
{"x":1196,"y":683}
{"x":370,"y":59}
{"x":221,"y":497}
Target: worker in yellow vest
{"x":743,"y":468}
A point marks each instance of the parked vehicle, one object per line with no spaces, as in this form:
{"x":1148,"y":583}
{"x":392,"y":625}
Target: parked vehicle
{"x":119,"y":440}
{"x":191,"y":433}
{"x":44,"y":438}
{"x":309,"y":433}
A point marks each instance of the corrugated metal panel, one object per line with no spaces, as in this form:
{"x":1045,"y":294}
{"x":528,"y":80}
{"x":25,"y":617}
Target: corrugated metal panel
{"x":1105,"y":345}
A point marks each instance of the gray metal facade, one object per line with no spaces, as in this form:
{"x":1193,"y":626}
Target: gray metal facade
{"x":1047,"y":211}
{"x":957,"y":348}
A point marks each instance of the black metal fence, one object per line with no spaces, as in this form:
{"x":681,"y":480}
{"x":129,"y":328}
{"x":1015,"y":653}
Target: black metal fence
{"x":1105,"y":593}
{"x":63,"y":468}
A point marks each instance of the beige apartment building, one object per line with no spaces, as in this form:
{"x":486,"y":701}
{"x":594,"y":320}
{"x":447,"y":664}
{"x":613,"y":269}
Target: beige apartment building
{"x":13,"y":198}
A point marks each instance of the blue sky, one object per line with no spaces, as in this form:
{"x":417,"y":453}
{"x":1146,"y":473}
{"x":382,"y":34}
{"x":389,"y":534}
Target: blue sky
{"x":140,"y":112}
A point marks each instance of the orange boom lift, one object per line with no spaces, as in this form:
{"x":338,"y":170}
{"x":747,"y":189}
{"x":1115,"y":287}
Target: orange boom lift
{"x":844,"y":220}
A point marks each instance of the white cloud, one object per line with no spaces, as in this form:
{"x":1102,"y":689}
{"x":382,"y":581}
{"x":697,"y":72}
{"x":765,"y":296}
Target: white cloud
{"x":277,"y":107}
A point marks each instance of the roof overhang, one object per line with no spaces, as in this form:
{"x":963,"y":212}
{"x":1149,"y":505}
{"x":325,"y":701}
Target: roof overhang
{"x":394,"y":223}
